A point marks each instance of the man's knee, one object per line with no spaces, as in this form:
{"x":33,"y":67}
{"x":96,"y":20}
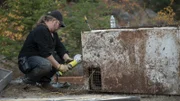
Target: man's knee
{"x":40,"y":70}
{"x":40,"y":64}
{"x":46,"y":67}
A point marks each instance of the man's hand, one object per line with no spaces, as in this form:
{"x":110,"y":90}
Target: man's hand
{"x":63,"y":68}
{"x":67,"y":58}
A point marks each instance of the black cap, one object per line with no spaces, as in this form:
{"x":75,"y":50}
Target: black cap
{"x":56,"y":14}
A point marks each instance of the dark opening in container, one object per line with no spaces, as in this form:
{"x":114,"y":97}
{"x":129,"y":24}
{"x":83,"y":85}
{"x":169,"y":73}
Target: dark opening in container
{"x":95,"y":78}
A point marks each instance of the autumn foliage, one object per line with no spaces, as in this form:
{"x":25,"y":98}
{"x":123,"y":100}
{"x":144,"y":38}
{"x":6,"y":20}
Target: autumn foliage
{"x":166,"y":16}
{"x":12,"y":30}
{"x":17,"y":18}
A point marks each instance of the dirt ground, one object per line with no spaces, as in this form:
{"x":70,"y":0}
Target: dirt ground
{"x":17,"y":91}
{"x":20,"y":90}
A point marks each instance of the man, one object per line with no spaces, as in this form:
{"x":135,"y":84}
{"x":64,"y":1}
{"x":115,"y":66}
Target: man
{"x":43,"y":54}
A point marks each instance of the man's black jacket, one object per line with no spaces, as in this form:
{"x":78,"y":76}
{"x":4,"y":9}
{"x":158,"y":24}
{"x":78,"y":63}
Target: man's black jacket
{"x":40,"y":42}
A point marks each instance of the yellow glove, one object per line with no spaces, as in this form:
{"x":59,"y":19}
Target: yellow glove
{"x":63,"y":68}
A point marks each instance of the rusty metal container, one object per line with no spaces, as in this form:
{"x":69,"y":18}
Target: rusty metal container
{"x":137,"y":60}
{"x":5,"y":78}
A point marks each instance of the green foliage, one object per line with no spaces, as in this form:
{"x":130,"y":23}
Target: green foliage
{"x":9,"y":47}
{"x":26,"y":13}
{"x":96,"y":13}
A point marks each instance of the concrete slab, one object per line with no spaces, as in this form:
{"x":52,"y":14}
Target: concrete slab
{"x":80,"y":98}
{"x":5,"y":78}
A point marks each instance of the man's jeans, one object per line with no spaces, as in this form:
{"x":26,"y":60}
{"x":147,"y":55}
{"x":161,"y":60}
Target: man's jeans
{"x":42,"y":69}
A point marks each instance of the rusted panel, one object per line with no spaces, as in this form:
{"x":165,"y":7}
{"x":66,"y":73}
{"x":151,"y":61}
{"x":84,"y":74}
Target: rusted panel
{"x":143,"y":60}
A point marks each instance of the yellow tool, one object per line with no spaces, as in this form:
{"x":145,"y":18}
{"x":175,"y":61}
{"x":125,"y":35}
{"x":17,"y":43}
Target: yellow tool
{"x":72,"y":64}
